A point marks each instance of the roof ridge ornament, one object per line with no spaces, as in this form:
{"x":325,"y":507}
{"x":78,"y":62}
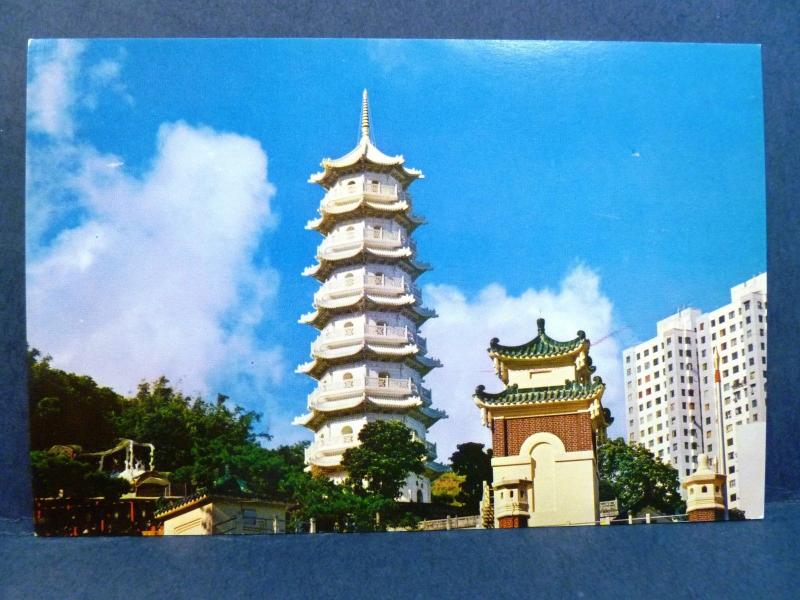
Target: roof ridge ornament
{"x":365,"y":115}
{"x":540,"y":325}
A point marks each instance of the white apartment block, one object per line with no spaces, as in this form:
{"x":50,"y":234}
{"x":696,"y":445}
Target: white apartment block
{"x":670,"y":401}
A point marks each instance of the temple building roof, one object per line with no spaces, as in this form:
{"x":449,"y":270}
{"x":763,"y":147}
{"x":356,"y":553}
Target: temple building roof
{"x":540,"y":347}
{"x":365,"y":155}
{"x":513,"y":395}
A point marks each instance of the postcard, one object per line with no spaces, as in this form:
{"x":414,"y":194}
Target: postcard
{"x":288,"y":286}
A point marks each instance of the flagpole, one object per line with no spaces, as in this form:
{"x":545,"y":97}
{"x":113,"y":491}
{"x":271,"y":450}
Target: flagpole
{"x":721,"y":453}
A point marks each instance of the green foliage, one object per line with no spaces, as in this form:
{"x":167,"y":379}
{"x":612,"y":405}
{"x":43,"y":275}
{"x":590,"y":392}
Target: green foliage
{"x":69,"y":409}
{"x":446,"y":488}
{"x":379,"y":465}
{"x":475,"y":465}
{"x":161,"y":416}
{"x":195,"y":440}
{"x":336,"y":507}
{"x":637,"y":478}
{"x":56,"y":473}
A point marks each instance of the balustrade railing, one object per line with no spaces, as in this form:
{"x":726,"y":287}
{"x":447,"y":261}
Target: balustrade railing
{"x":239,"y":524}
{"x":361,"y":385}
{"x":358,"y":188}
{"x":372,"y":330}
{"x":380,"y":281}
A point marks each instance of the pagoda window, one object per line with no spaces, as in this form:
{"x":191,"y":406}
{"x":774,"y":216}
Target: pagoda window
{"x":348,"y":380}
{"x":381,"y":328}
{"x":383,"y":379}
{"x":347,"y":433}
{"x":350,"y":232}
{"x":377,"y":232}
{"x":349,"y":279}
{"x":348,"y":328}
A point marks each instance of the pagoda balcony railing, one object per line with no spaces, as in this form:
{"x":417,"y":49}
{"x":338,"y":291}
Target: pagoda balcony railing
{"x":344,"y":194}
{"x":330,"y":391}
{"x":330,"y":446}
{"x":383,"y":334}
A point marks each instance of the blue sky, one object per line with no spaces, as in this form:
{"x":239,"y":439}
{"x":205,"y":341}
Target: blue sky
{"x":600,"y":185}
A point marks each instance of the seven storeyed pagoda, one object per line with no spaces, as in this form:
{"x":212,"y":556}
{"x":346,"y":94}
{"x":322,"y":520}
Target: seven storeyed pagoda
{"x":369,"y":359}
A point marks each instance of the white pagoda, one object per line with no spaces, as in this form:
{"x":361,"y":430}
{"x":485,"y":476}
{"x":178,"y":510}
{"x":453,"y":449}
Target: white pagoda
{"x":369,"y":359}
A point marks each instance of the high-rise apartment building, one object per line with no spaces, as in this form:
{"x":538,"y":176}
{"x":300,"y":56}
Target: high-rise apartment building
{"x":670,"y":390}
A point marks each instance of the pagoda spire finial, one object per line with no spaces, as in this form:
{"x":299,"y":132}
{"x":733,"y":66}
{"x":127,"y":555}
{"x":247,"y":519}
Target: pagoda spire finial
{"x":364,"y":115}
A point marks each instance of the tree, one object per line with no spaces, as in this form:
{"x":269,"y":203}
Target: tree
{"x":379,"y":465}
{"x":66,"y":408}
{"x":475,"y":465}
{"x":161,"y":416}
{"x":57,"y":474}
{"x":336,"y":507}
{"x":195,"y":441}
{"x":446,"y":488}
{"x":634,"y":476}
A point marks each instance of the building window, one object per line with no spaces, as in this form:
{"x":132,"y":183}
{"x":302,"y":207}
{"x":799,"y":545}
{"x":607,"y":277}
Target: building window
{"x":348,"y":379}
{"x":249,"y":517}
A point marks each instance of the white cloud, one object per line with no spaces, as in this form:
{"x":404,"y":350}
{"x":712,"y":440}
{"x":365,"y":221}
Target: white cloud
{"x":51,"y":92}
{"x":134,"y":277}
{"x":158,"y":278}
{"x":460,"y":335}
{"x":106,"y":74}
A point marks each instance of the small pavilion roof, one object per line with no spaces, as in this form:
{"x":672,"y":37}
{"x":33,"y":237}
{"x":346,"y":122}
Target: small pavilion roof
{"x":365,"y":154}
{"x":514,"y":395}
{"x":542,"y":346}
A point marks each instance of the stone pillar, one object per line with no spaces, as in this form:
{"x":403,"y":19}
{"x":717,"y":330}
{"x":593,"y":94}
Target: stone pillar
{"x":704,"y":501}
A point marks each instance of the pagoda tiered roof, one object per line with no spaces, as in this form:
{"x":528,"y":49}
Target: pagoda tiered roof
{"x":409,"y":354}
{"x":407,"y":303}
{"x":365,"y":156}
{"x":414,"y":406}
{"x":402,"y":257}
{"x":327,"y":220}
{"x":542,"y":347}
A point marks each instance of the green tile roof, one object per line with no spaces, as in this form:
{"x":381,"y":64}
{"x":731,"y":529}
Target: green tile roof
{"x":540,"y":346}
{"x":514,"y":395}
